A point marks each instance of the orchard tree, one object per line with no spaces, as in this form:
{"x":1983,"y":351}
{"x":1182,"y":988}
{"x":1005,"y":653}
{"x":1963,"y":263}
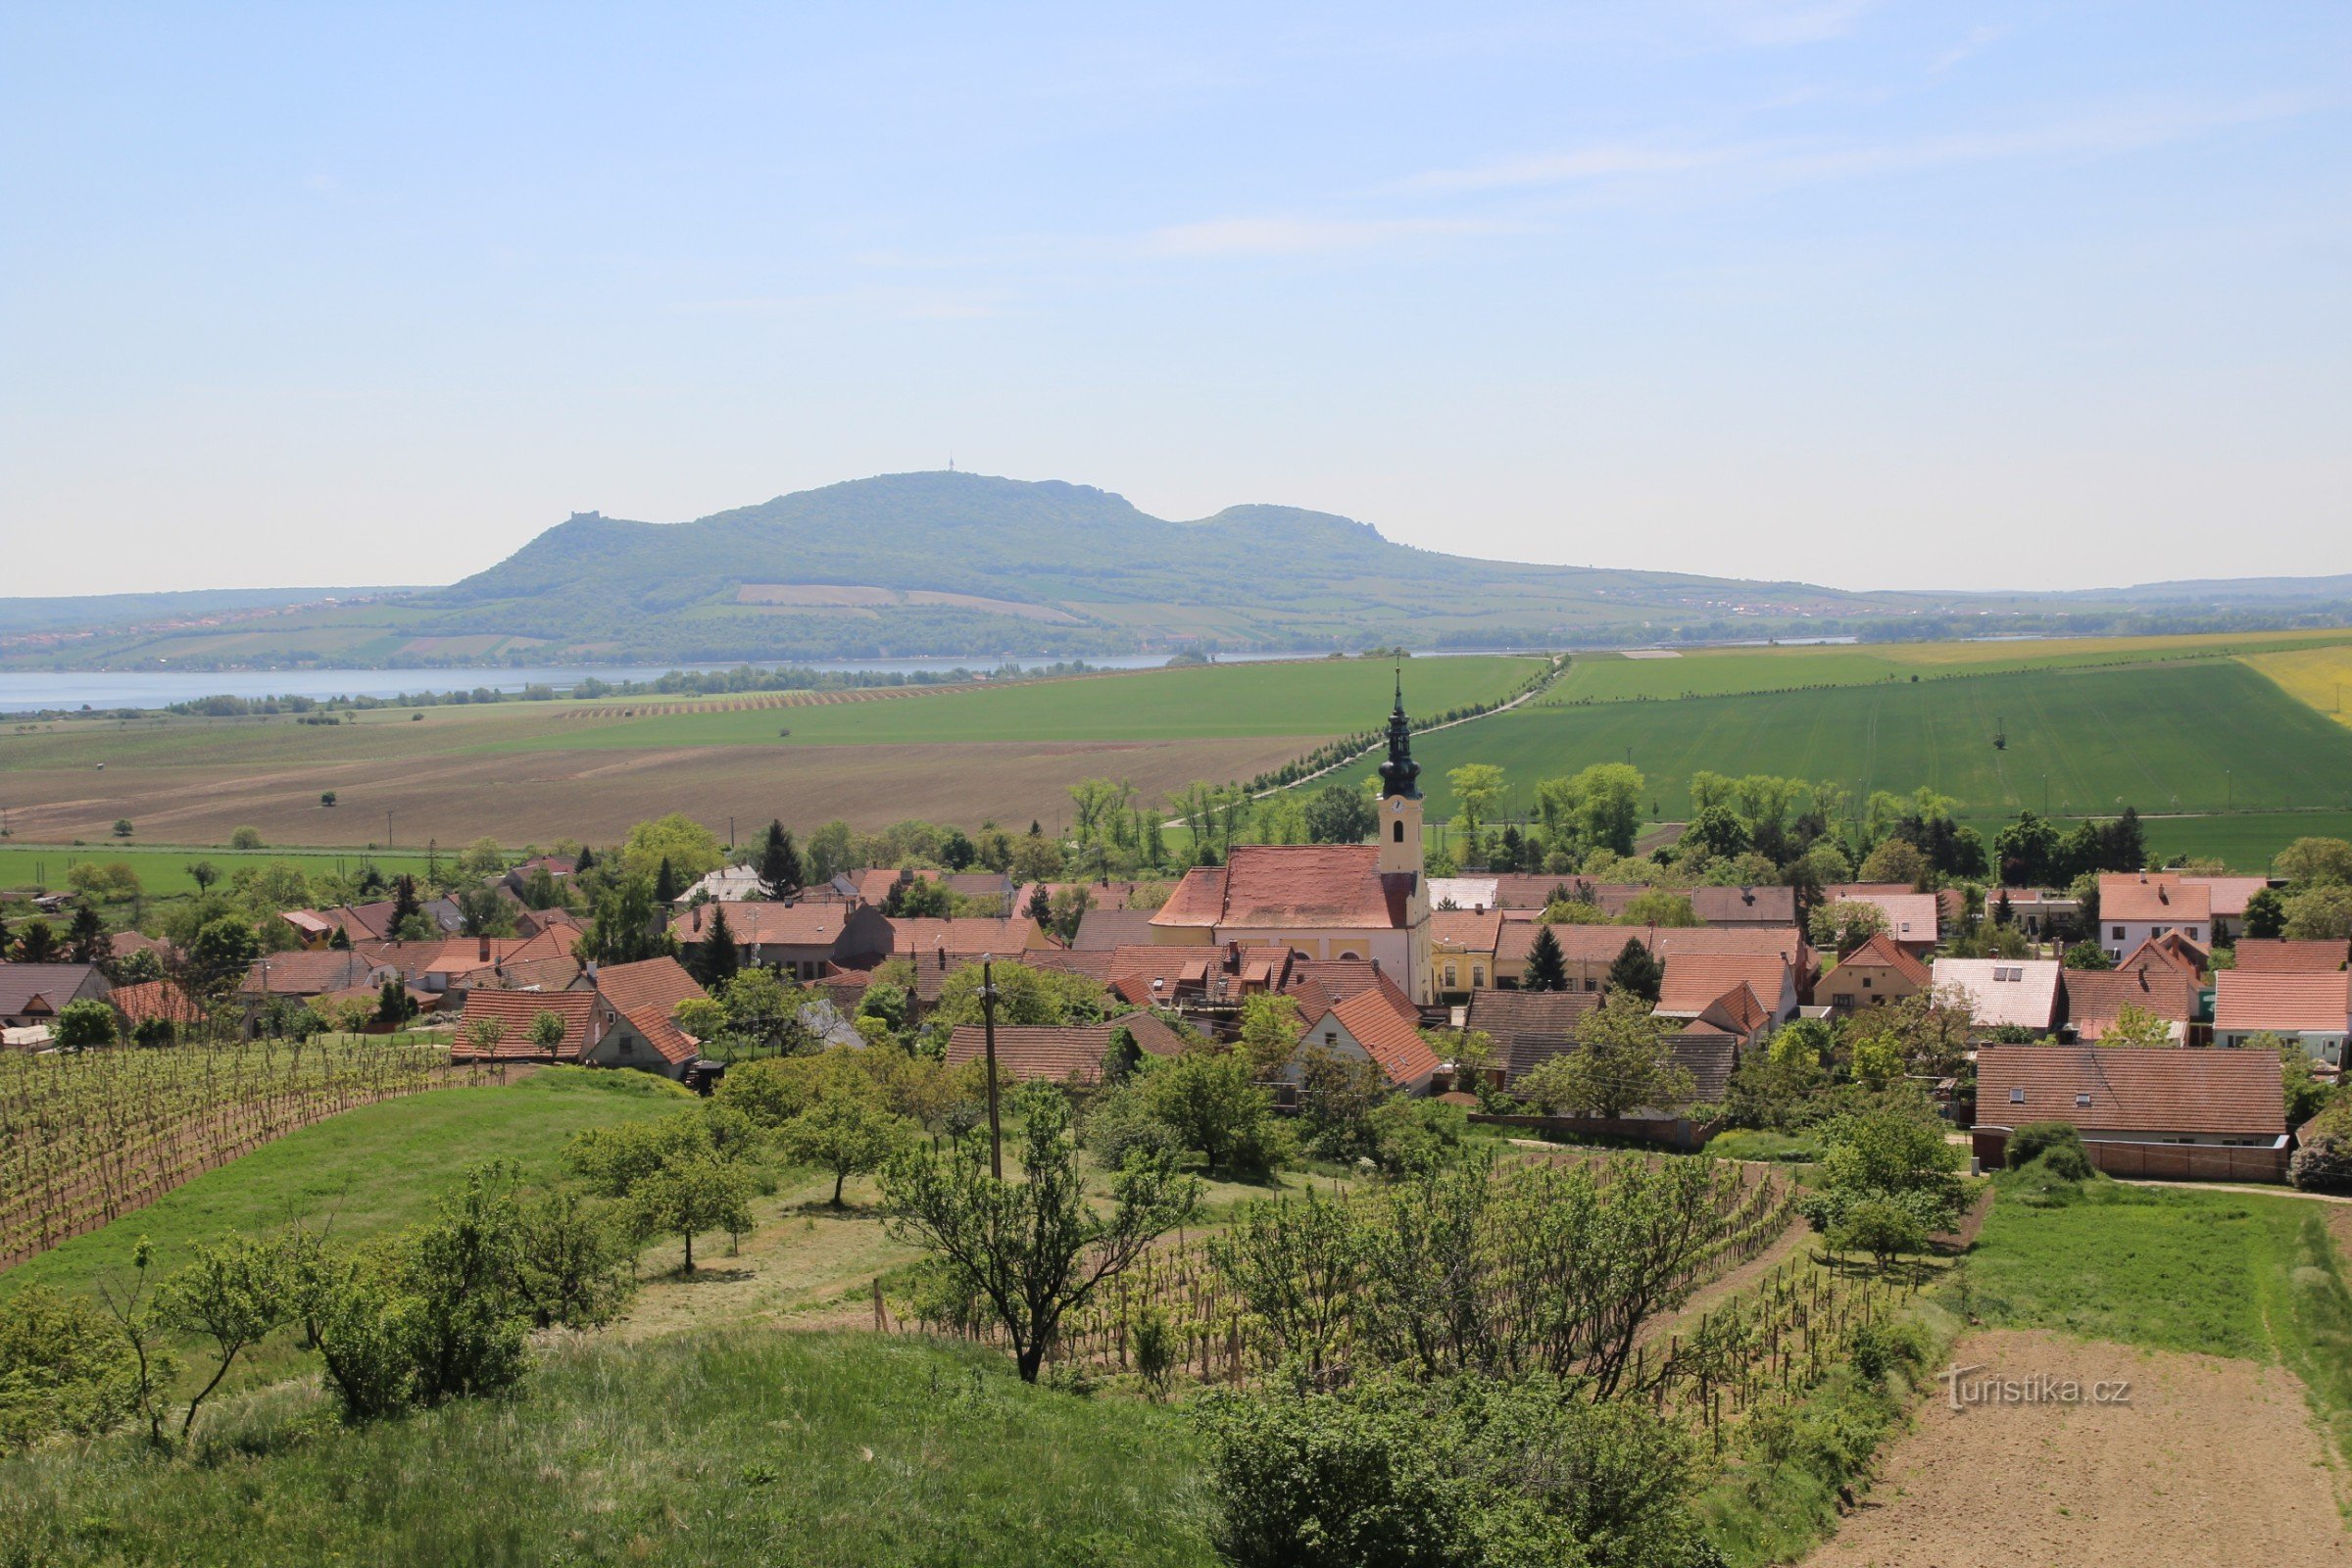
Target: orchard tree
{"x":1034,"y":1248}
{"x":847,"y":1135}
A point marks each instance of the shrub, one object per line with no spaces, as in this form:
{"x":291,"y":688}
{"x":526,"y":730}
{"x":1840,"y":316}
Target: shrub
{"x":245,"y":838}
{"x":1884,"y":1229}
{"x":1883,"y":1348}
{"x":1470,"y":1472}
{"x":2323,"y":1163}
{"x":62,"y":1369}
{"x":1119,"y":1126}
{"x":2036,"y":1137}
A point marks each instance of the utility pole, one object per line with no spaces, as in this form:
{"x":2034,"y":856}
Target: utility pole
{"x":988,"y":1027}
{"x":387,"y":830}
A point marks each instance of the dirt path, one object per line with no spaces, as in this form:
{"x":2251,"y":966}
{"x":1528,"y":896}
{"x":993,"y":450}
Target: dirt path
{"x":2210,"y":1460}
{"x":1723,"y":1287}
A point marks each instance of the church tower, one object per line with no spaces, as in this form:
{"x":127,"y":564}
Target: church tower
{"x":1400,"y":847}
{"x":1400,"y":795}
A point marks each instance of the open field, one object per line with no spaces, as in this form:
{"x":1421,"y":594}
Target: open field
{"x":2320,"y":677}
{"x":2193,"y":737}
{"x":1607,"y":676}
{"x":528,"y":772}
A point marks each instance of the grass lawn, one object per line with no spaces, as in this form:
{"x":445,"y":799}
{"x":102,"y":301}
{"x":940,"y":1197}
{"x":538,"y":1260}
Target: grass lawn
{"x":2249,"y":1274}
{"x":704,"y":1450}
{"x":373,"y":1169}
{"x":2190,"y":737}
{"x":164,"y":872}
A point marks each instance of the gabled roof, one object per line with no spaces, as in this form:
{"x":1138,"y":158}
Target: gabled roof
{"x":2021,"y":993}
{"x":167,"y":1000}
{"x":1103,"y":930}
{"x":1737,"y":1011}
{"x":1693,"y":980}
{"x":1465,"y":931}
{"x":2170,"y":951}
{"x":2161,"y":897}
{"x":1307,"y":886}
{"x":2131,"y":1090}
{"x":55,"y":983}
{"x":1914,"y":917}
{"x":1389,"y":1035}
{"x":1881,"y":952}
{"x":916,"y":937}
{"x":2282,"y":1001}
{"x":1530,"y":1027}
{"x":1075,"y":1050}
{"x":308,"y":974}
{"x":518,"y":1010}
{"x":1600,"y":943}
{"x":1765,"y":904}
{"x":2096,"y":998}
{"x":660,"y":983}
{"x":2228,"y":895}
{"x":772,"y":925}
{"x":2273,"y":954}
{"x":1708,"y":1054}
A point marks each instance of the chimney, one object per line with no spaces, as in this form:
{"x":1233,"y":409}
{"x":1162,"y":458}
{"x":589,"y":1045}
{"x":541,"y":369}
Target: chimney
{"x":482,"y":952}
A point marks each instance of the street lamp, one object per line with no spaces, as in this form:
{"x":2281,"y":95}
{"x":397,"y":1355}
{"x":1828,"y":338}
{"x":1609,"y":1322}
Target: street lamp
{"x":988,"y":1029}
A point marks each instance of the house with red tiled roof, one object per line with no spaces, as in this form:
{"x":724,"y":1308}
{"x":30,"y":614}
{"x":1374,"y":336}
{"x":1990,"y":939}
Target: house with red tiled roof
{"x":2277,"y":954}
{"x":2310,"y":1009}
{"x":2136,"y":906}
{"x":33,"y":995}
{"x":1374,"y":1025}
{"x":1913,"y":919}
{"x":1695,"y":981}
{"x":1589,"y":950}
{"x":799,"y":938}
{"x":1059,"y":1055}
{"x":156,"y":1002}
{"x":1108,"y":930}
{"x":634,"y":1024}
{"x":1461,"y":946}
{"x":2036,"y":911}
{"x":914,"y":937}
{"x":1767,"y":905}
{"x":2170,"y":951}
{"x":1528,"y":1027}
{"x":1327,"y":900}
{"x":1879,"y":972}
{"x":2126,"y":1096}
{"x":2004,"y":993}
{"x":515,"y":1012}
{"x":2225,"y":896}
{"x":2095,"y":997}
{"x":1153,"y":975}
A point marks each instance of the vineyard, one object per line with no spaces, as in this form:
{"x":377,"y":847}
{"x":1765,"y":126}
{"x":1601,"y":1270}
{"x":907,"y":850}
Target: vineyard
{"x":87,"y":1137}
{"x":1330,"y":1282}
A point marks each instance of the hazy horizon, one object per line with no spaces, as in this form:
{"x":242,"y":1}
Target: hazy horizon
{"x":1862,"y":294}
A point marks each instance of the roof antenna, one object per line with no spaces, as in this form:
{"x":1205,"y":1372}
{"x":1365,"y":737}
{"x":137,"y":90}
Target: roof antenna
{"x":950,"y":462}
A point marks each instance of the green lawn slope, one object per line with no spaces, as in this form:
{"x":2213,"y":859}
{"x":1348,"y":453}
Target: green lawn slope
{"x":710,"y":1450}
{"x":371,"y":1170}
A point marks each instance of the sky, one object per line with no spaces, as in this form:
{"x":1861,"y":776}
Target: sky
{"x":1869,"y":294}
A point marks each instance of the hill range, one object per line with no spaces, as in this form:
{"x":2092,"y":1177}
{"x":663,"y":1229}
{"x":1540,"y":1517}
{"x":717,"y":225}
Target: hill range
{"x":972,"y":566}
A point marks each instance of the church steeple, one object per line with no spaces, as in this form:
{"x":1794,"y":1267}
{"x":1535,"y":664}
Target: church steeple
{"x":1398,"y":775}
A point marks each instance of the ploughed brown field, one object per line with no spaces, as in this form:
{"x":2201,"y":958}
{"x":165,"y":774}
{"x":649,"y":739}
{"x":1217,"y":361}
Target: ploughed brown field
{"x":2213,"y":1461}
{"x":523,"y":797}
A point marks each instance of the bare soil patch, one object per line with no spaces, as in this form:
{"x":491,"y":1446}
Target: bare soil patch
{"x":524,"y":796}
{"x":2212,"y":1460}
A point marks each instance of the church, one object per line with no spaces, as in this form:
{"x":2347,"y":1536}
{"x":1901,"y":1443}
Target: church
{"x":1328,"y":900}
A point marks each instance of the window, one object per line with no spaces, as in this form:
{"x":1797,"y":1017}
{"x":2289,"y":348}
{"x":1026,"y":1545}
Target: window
{"x":1478,"y":976}
{"x":2118,"y":933}
{"x":1866,"y":982}
{"x":2082,"y":1101}
{"x":2017,"y":1097}
{"x":1396,"y":831}
{"x":1449,"y":977}
{"x":1331,"y":1037}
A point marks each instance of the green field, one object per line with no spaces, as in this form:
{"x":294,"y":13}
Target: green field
{"x":2191,"y":737}
{"x":1321,"y":698}
{"x":1723,"y":671}
{"x":164,"y":872}
{"x":373,"y":1169}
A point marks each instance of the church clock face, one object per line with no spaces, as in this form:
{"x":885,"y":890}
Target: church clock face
{"x":1397,"y":805}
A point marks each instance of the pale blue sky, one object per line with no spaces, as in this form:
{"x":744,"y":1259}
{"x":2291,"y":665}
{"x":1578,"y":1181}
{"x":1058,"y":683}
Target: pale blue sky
{"x":1880,"y":295}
